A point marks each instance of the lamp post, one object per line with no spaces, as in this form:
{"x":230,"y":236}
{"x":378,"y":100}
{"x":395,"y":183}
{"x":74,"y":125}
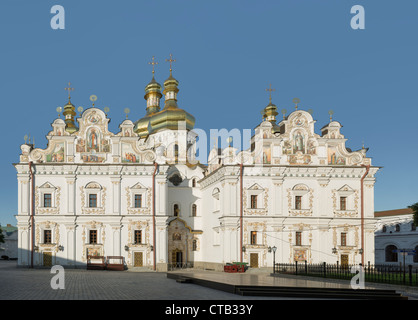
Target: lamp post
{"x":274,"y":258}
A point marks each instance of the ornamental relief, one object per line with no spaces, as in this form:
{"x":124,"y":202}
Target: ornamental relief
{"x":96,"y":249}
{"x":255,"y":211}
{"x":345,"y":213}
{"x":304,"y":212}
{"x":47,"y":210}
{"x":143,"y":210}
{"x":47,"y":225}
{"x":97,"y":210}
{"x":255,"y":226}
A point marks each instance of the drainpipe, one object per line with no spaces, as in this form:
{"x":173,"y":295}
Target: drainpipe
{"x":362,"y":212}
{"x":32,"y":222}
{"x":241,"y":210}
{"x":153,"y":215}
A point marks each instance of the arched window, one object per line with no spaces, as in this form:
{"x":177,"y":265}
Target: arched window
{"x":390,"y":254}
{"x":384,"y":229}
{"x":397,"y":228}
{"x":193,"y":183}
{"x":194,"y":245}
{"x":194,"y":210}
{"x":413,"y":227}
{"x":176,"y":210}
{"x":176,"y":151}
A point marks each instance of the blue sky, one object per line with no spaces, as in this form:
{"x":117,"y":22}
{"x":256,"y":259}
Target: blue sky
{"x":227,"y":53}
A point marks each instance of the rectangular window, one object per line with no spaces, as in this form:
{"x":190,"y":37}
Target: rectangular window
{"x":343,"y":203}
{"x":343,"y":239}
{"x":298,"y":238}
{"x":298,"y":202}
{"x":138,"y":201}
{"x":47,"y":236}
{"x":253,"y":202}
{"x":93,"y":236}
{"x":138,"y":236}
{"x":253,"y":237}
{"x":93,"y":200}
{"x":47,"y":200}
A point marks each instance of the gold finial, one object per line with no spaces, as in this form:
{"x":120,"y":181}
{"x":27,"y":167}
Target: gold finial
{"x":296,"y":102}
{"x":153,"y":63}
{"x":171,"y":60}
{"x":330,"y":115}
{"x":270,"y":90}
{"x":69,"y":89}
{"x":127,"y":110}
{"x":93,"y":98}
{"x":284,"y":111}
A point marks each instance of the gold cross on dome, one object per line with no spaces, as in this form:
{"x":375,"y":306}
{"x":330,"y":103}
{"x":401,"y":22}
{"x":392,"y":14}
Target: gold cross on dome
{"x":69,"y":89}
{"x":270,"y":90}
{"x":153,"y":63}
{"x":170,"y":60}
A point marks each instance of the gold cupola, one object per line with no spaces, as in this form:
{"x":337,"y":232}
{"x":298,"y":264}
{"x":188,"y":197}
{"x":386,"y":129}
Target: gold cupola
{"x":152,"y":96}
{"x":69,"y":113}
{"x":270,"y":112}
{"x":171,"y":117}
{"x":153,"y":92}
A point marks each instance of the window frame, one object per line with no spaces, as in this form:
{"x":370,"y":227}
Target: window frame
{"x":93,"y":234}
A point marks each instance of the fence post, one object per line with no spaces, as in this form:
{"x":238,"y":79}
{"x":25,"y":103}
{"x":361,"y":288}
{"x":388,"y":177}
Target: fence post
{"x":325,"y":269}
{"x":410,"y":274}
{"x":296,"y":264}
{"x":306,"y":267}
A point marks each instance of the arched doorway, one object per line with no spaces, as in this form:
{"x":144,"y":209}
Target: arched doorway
{"x":180,"y":244}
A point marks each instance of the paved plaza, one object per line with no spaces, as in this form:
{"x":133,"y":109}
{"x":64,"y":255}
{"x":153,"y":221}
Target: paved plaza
{"x":80,"y":284}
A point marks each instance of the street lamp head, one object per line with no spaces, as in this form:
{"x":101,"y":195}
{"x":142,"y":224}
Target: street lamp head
{"x":274,"y":249}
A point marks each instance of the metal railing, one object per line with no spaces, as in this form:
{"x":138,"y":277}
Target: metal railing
{"x":389,"y":274}
{"x":179,"y":265}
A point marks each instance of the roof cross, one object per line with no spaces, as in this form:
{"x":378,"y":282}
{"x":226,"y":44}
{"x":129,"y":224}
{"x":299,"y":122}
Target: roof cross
{"x":153,"y":63}
{"x":69,"y":89}
{"x":170,"y":60}
{"x":270,"y":90}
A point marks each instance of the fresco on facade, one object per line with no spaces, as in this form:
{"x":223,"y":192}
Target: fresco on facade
{"x":298,"y":142}
{"x":334,"y":157}
{"x":57,"y":155}
{"x":266,"y":155}
{"x":128,"y":155}
{"x":299,"y":255}
{"x":93,"y":157}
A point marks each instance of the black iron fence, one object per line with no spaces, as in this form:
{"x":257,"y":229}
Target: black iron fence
{"x":389,"y":274}
{"x":180,"y":265}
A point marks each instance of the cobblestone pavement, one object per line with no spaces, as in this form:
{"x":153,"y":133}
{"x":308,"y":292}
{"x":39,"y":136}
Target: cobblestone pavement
{"x":27,"y":284}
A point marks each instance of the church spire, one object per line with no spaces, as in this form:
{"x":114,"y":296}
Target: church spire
{"x":153,"y":92}
{"x":270,"y":111}
{"x":69,"y":112}
{"x":170,"y":88}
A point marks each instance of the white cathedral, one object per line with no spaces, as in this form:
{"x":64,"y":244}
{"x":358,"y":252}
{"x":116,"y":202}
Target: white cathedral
{"x":140,"y":193}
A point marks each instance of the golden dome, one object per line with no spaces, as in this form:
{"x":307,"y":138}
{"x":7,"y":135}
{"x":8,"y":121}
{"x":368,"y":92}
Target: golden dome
{"x":69,"y":114}
{"x":171,"y":117}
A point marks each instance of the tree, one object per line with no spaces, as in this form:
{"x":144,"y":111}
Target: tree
{"x":414,"y":208}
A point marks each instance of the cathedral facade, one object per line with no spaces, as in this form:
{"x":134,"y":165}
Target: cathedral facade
{"x":141,"y":194}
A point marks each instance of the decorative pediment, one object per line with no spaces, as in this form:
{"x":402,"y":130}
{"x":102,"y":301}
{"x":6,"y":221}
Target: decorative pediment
{"x":93,"y":185}
{"x":345,"y":190}
{"x":48,"y":185}
{"x":138,"y":187}
{"x":256,"y":186}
